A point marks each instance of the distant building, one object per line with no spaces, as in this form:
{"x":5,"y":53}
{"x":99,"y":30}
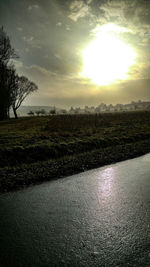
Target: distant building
{"x":102,"y":108}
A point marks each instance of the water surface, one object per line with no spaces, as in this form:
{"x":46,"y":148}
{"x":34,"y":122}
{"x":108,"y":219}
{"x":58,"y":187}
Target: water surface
{"x":97,"y":218}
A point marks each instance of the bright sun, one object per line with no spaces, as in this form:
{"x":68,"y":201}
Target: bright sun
{"x":107,"y":59}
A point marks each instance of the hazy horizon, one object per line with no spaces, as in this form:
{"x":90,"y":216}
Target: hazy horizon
{"x":77,"y":106}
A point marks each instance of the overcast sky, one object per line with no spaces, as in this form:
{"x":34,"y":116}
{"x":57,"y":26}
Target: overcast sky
{"x":51,"y":35}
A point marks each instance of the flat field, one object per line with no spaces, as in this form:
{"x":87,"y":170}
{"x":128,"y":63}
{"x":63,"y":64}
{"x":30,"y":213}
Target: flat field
{"x":60,"y":145}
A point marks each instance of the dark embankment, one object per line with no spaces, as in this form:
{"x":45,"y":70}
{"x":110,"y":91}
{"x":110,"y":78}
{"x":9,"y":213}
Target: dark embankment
{"x":37,"y":149}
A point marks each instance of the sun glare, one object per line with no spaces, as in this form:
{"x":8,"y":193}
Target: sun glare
{"x":107,"y":59}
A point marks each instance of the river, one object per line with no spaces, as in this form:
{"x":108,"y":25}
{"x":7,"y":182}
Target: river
{"x":97,"y":218}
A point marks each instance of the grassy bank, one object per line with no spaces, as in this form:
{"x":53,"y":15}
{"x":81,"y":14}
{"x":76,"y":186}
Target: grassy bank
{"x":42,"y":148}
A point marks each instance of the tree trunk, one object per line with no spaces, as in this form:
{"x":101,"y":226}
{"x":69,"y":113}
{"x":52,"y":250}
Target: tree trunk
{"x":15,"y":113}
{"x":8,"y":113}
{"x":3,"y":113}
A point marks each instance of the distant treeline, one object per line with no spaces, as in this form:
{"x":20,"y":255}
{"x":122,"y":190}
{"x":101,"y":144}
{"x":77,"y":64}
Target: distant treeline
{"x":102,"y":108}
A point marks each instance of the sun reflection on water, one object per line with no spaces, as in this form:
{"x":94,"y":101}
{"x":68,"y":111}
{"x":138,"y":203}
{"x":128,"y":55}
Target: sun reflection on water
{"x":106,"y":183}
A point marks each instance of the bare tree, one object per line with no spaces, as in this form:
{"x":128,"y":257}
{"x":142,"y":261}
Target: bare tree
{"x":7,"y":82}
{"x":53,"y":111}
{"x":6,"y":51}
{"x":7,"y":73}
{"x":22,"y":88}
{"x":13,"y":89}
{"x":30,"y":113}
{"x":43,"y":111}
{"x":38,"y":112}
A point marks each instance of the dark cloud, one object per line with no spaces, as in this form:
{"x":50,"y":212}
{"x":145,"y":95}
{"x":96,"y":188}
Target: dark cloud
{"x":49,"y":36}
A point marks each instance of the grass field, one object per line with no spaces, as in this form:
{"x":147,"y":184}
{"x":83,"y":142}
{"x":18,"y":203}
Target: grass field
{"x":59,"y":145}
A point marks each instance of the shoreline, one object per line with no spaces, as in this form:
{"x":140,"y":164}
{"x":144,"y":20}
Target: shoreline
{"x":24,"y":175}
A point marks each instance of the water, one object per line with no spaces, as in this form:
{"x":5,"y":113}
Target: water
{"x":97,"y":218}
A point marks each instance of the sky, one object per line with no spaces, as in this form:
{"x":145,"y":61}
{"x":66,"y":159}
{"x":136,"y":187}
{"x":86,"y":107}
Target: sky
{"x":55,"y":41}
